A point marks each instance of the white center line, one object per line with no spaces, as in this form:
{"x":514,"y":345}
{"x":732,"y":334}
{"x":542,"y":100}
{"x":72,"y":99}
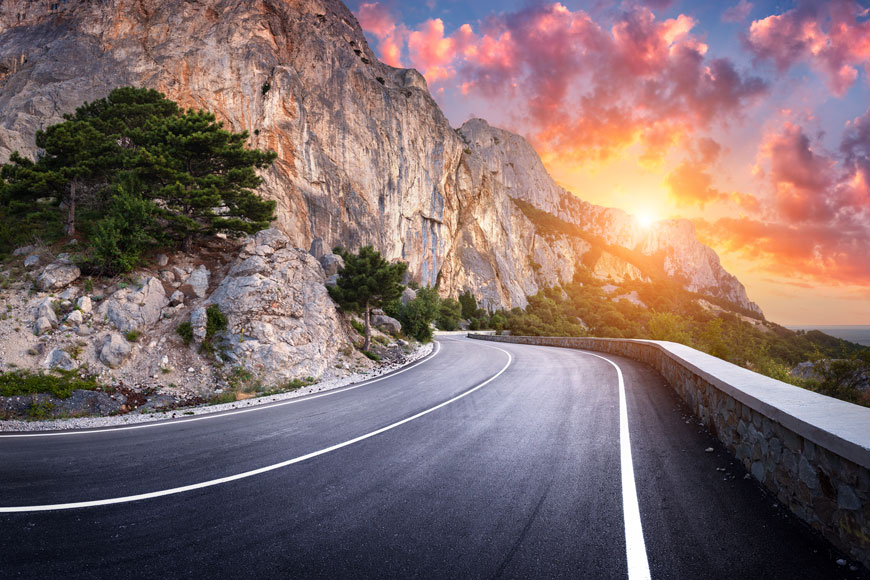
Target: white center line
{"x":635,"y":547}
{"x":213,"y":482}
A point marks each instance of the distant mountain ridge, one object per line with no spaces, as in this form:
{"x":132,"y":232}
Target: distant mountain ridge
{"x":365,"y":154}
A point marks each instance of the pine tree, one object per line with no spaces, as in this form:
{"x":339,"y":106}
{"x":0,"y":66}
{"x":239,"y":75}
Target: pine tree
{"x":367,"y":281}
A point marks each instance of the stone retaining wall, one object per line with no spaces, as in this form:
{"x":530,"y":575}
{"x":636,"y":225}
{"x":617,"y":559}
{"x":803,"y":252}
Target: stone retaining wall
{"x":811,"y":451}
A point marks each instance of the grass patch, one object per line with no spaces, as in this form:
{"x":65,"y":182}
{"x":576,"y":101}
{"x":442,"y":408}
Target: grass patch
{"x":359,"y":327}
{"x":299,"y":383}
{"x":61,"y":385}
{"x":132,"y":336}
{"x":381,"y":340}
{"x":375,"y":357}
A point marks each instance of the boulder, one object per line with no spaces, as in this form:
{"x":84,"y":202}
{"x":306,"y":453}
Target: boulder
{"x":129,"y":309}
{"x":176,"y":298}
{"x":387,"y":323}
{"x":69,"y":294}
{"x":59,"y":359}
{"x":42,"y":326}
{"x":45,"y":309}
{"x":115,"y":351}
{"x":58,"y":275}
{"x":162,"y":260}
{"x":75,"y":317}
{"x":167,"y":276}
{"x":84,"y":304}
{"x":331,"y":263}
{"x":24,"y":251}
{"x":31,"y":262}
{"x":408,"y":294}
{"x":198,"y":281}
{"x":281,"y":322}
{"x":332,"y":280}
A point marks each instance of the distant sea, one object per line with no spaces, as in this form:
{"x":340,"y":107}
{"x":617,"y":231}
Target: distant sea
{"x":856,"y":333}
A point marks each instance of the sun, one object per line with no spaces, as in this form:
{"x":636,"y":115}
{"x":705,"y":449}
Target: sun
{"x":645,"y":219}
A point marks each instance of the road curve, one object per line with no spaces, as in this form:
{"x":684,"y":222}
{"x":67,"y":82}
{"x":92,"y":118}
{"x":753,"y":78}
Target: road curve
{"x":482,"y":462}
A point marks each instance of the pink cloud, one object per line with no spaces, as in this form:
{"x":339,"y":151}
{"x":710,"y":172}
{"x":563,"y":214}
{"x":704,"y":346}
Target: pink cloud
{"x":829,"y":36}
{"x":433,"y":54}
{"x":737,"y":13}
{"x":377,"y":20}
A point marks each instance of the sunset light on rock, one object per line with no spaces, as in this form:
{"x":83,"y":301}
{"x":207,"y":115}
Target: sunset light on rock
{"x":750,"y":119}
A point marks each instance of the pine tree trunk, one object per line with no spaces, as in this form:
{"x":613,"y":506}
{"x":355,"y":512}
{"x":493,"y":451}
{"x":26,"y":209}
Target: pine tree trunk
{"x":70,"y":228}
{"x":367,"y":342}
{"x":187,"y":244}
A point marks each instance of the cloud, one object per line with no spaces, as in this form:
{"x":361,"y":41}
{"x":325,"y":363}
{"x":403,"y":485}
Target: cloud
{"x":737,"y":13}
{"x":690,"y":183}
{"x":590,"y":92}
{"x":433,"y":54}
{"x":820,"y":253}
{"x":376,"y":19}
{"x":815,"y":223}
{"x":829,"y":36}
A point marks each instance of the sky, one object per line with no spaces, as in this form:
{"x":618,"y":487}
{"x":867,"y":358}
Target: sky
{"x":752,"y":119}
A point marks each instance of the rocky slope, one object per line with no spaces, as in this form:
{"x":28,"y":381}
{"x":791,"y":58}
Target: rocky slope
{"x":365,"y":154}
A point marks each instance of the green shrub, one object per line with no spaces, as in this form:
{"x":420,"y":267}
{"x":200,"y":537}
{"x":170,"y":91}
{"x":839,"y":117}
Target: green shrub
{"x":60,"y":385}
{"x":375,"y":357}
{"x":132,"y":336}
{"x":215,"y":322}
{"x":449,"y":314}
{"x":185,"y":331}
{"x":358,"y":326}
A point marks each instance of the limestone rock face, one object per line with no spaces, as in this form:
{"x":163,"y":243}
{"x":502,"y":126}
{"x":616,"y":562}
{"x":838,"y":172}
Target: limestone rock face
{"x":365,"y":156}
{"x":130,"y":309}
{"x":282,"y":324}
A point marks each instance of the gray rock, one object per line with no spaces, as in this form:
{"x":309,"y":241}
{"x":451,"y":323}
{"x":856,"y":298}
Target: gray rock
{"x":45,"y":309}
{"x":59,"y":359}
{"x":84,"y":330}
{"x":408,"y":294}
{"x":158,"y":402}
{"x":846,"y":498}
{"x":387,"y":323}
{"x":115,"y":351}
{"x":85,"y":305}
{"x":42,"y":326}
{"x":167,"y":276}
{"x":58,"y":275}
{"x":162,"y":260}
{"x":130,"y":310}
{"x":266,"y":242}
{"x":69,"y":294}
{"x":331,"y":263}
{"x":31,"y":262}
{"x":75,"y":317}
{"x":198,"y":281}
{"x":24,"y":250}
{"x":176,"y":298}
{"x":198,"y":319}
{"x":180,"y":274}
{"x":64,"y":258}
{"x":332,"y":280}
{"x":90,"y":403}
{"x":249,"y":266}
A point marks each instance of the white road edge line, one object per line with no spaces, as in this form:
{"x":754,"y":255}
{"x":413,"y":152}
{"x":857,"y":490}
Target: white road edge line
{"x":220,"y":414}
{"x":213,"y":482}
{"x":635,"y":547}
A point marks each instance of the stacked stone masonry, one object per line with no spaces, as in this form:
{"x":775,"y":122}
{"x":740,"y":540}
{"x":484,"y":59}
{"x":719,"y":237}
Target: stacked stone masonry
{"x":821,"y":473}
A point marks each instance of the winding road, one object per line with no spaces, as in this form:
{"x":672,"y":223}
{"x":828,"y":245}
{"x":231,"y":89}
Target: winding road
{"x":481,"y":461}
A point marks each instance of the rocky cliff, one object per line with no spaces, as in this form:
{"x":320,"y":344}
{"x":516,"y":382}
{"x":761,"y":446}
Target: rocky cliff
{"x":365,"y":156}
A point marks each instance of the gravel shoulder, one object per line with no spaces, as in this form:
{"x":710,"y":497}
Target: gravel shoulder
{"x":421,"y":352}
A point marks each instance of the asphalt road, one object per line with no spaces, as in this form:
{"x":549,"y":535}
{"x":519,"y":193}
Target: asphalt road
{"x":485,"y":461}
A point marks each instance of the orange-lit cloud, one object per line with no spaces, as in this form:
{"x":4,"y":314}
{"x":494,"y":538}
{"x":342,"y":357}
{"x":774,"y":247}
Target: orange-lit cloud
{"x":817,"y":218}
{"x":376,"y":19}
{"x":827,"y":35}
